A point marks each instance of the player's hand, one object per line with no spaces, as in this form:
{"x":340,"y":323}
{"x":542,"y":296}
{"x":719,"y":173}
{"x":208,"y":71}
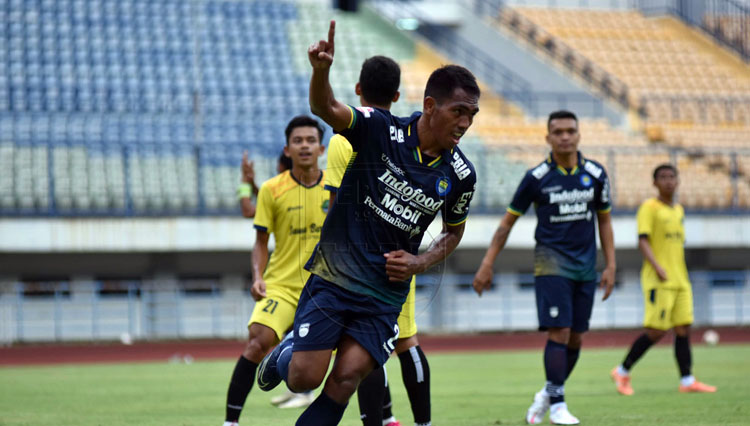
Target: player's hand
{"x":661,"y":273}
{"x":248,"y":170}
{"x":320,"y":54}
{"x":482,"y":279}
{"x":400,"y":265}
{"x":608,"y":282}
{"x":258,"y":290}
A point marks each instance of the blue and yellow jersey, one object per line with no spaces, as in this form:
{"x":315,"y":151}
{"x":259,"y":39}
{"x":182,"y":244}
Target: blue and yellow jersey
{"x":663,"y":225}
{"x":386,"y":200}
{"x":340,"y":157}
{"x":294,"y":214}
{"x":565,"y":202}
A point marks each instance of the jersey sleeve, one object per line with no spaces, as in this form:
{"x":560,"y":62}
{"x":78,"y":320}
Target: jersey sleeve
{"x":645,"y":219}
{"x":339,"y":154}
{"x":457,"y":211}
{"x":524,"y":196}
{"x":363,"y":127}
{"x":264,"y":210}
{"x":603,"y":201}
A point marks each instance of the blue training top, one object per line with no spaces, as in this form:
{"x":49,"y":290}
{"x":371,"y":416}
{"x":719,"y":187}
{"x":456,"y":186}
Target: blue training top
{"x":388,"y":197}
{"x":565,"y":202}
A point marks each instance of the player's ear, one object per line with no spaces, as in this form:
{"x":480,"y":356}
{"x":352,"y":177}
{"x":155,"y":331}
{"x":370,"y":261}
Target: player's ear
{"x":396,"y":96}
{"x":428,"y":105}
{"x":358,"y":89}
{"x":322,"y":148}
{"x":286,"y":150}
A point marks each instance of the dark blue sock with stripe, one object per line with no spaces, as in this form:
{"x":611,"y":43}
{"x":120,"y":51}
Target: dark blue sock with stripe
{"x":556,"y":370}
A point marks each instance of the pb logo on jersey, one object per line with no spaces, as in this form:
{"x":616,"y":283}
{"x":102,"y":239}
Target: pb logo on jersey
{"x":585,"y":180}
{"x":443,"y":186}
{"x":324,"y":206}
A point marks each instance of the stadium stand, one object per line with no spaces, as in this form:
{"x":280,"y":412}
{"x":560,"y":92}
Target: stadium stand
{"x":143,"y":108}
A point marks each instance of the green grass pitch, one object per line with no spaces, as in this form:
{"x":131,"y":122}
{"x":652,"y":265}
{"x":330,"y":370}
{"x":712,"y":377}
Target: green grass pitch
{"x":478,"y":389}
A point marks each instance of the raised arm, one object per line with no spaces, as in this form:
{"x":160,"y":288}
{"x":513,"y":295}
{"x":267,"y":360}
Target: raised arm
{"x":483,"y":277}
{"x":322,"y":102}
{"x":247,"y":188}
{"x":607,"y":239}
{"x":400,"y":265}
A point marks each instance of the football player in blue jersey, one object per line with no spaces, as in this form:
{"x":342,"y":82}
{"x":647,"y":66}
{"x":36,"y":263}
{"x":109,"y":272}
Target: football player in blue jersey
{"x":407,"y":171}
{"x":568,"y":191}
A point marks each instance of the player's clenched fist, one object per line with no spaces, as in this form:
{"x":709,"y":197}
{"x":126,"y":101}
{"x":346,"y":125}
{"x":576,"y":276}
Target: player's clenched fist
{"x":321,"y":53}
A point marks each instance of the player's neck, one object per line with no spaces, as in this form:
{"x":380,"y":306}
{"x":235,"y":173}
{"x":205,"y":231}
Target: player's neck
{"x":427,"y":142}
{"x":307,"y":176}
{"x":567,"y":161}
{"x":364,"y":103}
{"x":667,"y":199}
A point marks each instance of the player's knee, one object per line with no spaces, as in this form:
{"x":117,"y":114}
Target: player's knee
{"x":346,"y":381}
{"x":559,"y":335}
{"x":256,"y":348}
{"x":655,"y":335}
{"x":302,"y":378}
{"x":403,"y":345}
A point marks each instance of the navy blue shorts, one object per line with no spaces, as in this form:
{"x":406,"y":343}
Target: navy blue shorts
{"x":562,"y":302}
{"x":327,"y":311}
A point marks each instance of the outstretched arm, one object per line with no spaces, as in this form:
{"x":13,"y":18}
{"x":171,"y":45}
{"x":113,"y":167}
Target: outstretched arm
{"x":400,"y":265}
{"x":483,"y":277}
{"x":322,"y":102}
{"x":607,"y":239}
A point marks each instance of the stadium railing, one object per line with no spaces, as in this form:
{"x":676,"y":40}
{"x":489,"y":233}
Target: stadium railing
{"x":169,"y":307}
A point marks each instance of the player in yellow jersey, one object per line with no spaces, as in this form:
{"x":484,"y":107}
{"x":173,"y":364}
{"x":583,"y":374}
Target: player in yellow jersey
{"x":378,"y":87}
{"x":293,"y":207}
{"x":664,"y":279}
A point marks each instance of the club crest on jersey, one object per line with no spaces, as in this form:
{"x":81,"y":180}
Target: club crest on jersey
{"x":443,"y":186}
{"x":324,"y":206}
{"x":585,"y":180}
{"x":304,"y":329}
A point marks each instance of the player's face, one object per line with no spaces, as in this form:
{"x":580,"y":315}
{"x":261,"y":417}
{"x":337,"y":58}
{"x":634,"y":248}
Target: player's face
{"x":453,"y":117}
{"x":304,"y":146}
{"x":666,"y":182}
{"x":563,"y":136}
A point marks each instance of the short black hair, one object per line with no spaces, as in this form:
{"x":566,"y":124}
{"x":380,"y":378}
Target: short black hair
{"x":286,"y":162}
{"x":446,"y":79}
{"x":560,"y":114}
{"x":303,"y":121}
{"x":665,"y":166}
{"x":379,"y":79}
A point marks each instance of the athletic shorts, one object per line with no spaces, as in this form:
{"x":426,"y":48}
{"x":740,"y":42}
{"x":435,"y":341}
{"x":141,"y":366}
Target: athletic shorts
{"x":666,"y":308}
{"x":327,"y":311}
{"x":275,"y":311}
{"x":564,"y":303}
{"x":407,"y":324}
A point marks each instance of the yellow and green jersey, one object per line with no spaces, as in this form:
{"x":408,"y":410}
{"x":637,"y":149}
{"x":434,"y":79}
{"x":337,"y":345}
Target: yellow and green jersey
{"x":339,"y":157}
{"x":294,"y":214}
{"x":663,"y":225}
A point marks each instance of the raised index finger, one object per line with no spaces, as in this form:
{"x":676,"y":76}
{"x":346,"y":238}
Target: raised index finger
{"x":331,"y":32}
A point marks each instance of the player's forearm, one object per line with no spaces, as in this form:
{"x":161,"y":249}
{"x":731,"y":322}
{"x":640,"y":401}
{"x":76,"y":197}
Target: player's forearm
{"x":248,"y":207}
{"x":607,"y":239}
{"x":442,"y":247}
{"x":496,"y":245}
{"x":260,"y":259}
{"x":324,"y":104}
{"x":647,"y":252}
